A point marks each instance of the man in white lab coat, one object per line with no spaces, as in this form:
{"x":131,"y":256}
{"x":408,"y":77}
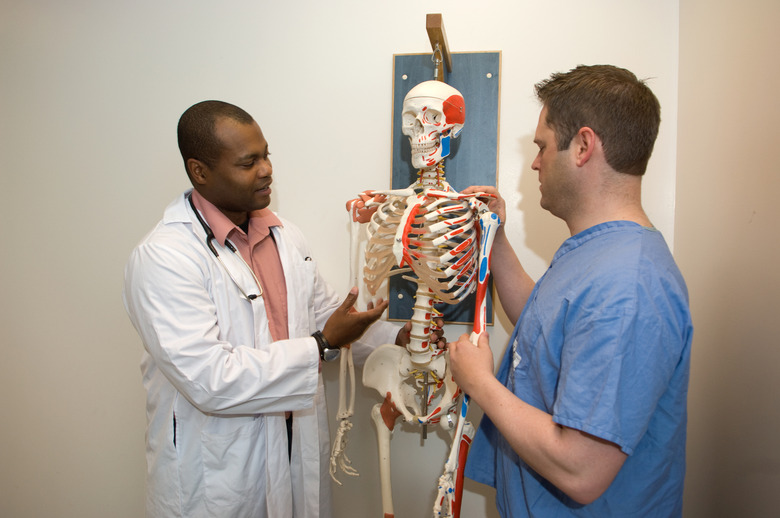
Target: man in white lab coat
{"x":236,"y":320}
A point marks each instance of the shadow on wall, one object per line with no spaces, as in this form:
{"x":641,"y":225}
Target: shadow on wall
{"x":544,"y":233}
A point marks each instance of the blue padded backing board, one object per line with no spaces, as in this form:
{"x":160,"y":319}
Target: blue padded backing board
{"x":473,"y":159}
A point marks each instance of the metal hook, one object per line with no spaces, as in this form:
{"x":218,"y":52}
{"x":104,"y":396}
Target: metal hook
{"x":436,"y":58}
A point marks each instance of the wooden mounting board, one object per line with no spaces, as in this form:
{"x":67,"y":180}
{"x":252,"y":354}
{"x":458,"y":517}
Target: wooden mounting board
{"x":472,"y":161}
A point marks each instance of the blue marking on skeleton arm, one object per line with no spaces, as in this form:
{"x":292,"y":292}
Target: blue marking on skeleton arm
{"x":483,"y":265}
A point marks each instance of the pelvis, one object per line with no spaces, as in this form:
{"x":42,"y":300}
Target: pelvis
{"x":390,"y":371}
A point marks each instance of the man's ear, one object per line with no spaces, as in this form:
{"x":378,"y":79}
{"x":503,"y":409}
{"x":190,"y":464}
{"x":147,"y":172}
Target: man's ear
{"x":585,"y":141}
{"x":198,"y":171}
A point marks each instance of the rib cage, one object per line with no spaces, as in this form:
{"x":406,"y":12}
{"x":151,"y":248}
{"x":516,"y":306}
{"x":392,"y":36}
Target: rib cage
{"x":431,"y":232}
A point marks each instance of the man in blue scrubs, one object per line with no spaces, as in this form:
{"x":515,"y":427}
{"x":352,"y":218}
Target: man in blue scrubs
{"x":587,"y":413}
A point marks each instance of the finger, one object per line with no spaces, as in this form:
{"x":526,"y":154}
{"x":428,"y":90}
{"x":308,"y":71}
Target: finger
{"x":465,"y":338}
{"x":372,"y":304}
{"x":380,"y":307}
{"x":371,"y":315}
{"x":478,"y":188}
{"x":350,"y":299}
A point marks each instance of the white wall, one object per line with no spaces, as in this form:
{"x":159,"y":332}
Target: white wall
{"x":90,"y":93}
{"x":728,"y":248}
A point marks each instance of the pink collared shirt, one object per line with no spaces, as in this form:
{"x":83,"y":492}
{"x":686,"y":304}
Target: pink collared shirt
{"x":259,"y":251}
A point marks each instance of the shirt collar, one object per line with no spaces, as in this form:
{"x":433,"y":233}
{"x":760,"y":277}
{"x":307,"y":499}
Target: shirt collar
{"x":586,"y":235}
{"x":260,"y":220}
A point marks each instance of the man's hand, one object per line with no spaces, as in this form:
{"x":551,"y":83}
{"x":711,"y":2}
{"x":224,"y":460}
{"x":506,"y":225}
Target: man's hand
{"x":471,"y":364}
{"x":496,"y":205}
{"x":437,"y":335}
{"x":346,"y":324}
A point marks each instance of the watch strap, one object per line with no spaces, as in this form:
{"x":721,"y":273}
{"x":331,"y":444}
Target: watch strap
{"x":327,"y":353}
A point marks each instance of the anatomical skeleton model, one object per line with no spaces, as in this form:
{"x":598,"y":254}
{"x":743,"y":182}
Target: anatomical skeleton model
{"x":444,"y":239}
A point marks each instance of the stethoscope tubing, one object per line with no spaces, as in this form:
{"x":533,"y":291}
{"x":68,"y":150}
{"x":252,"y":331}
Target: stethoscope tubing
{"x":210,"y":244}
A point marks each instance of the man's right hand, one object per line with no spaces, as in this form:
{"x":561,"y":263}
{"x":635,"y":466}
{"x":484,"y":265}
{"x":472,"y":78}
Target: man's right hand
{"x":496,"y":204}
{"x":346,"y":324}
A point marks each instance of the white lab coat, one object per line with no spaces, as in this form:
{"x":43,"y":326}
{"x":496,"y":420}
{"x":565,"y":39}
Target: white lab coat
{"x":218,"y":386}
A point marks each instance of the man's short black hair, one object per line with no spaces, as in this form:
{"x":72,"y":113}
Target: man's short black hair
{"x":196,"y":130}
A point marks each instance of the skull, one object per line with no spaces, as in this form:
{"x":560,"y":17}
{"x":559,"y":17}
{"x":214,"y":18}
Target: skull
{"x":433,"y":112}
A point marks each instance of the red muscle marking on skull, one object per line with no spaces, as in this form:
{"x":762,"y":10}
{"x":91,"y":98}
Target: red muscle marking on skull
{"x":455,"y":109}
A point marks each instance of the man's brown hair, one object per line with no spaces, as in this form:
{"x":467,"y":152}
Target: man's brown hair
{"x":618,"y":107}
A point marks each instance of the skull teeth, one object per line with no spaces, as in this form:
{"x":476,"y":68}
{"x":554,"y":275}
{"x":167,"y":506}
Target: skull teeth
{"x":424,"y":147}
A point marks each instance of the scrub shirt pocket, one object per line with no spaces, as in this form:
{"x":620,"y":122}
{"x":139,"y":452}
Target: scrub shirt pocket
{"x":526,"y":343}
{"x":234,"y":468}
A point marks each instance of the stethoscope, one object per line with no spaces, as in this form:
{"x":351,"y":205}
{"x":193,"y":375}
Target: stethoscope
{"x":210,"y":243}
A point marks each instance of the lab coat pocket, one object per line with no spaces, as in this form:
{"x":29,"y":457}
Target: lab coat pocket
{"x":301,"y":287}
{"x":234,"y":470}
{"x":308,"y":275}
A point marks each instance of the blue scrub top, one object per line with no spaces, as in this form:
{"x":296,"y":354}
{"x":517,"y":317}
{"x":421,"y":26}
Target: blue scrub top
{"x":603,"y":345}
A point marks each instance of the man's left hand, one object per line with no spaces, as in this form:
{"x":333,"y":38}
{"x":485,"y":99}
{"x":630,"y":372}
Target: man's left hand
{"x":437,"y":334}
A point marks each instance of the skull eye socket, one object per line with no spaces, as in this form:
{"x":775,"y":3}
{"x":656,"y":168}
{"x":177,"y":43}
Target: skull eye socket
{"x":408,"y":119}
{"x":432,"y":117}
{"x":429,"y":116}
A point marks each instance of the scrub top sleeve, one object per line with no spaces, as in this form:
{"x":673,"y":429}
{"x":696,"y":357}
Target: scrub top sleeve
{"x":612,"y":377}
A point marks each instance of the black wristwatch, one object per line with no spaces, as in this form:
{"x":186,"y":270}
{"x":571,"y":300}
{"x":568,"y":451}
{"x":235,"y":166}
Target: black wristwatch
{"x":327,"y":353}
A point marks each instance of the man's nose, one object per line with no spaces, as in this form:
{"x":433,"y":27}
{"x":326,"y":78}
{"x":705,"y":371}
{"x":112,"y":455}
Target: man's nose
{"x":535,"y":163}
{"x":265,"y":169}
